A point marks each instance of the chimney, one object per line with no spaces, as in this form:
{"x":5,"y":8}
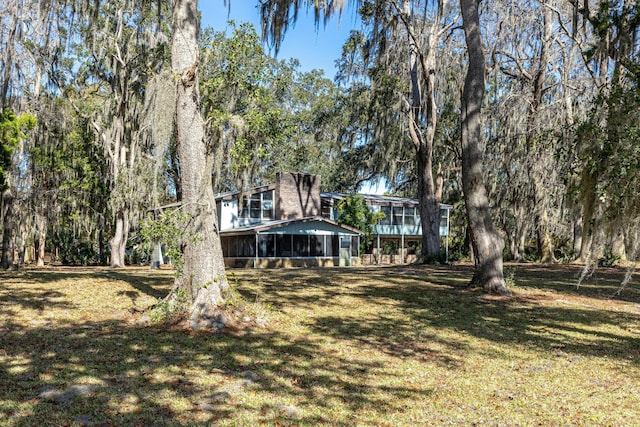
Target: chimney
{"x":297,"y":195}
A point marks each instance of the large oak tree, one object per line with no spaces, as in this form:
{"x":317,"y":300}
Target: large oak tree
{"x":203,"y":277}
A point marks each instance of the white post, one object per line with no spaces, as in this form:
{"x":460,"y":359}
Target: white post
{"x":255,"y":258}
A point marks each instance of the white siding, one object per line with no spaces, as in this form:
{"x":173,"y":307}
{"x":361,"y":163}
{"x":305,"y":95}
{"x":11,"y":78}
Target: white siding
{"x":229,"y":214}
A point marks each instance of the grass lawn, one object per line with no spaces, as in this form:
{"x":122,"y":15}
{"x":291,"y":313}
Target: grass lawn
{"x":395,"y":346}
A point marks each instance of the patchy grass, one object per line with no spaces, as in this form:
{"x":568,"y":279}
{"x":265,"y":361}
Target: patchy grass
{"x":399,"y":346}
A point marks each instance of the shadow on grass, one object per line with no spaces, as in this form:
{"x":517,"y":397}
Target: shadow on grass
{"x":156,"y":376}
{"x":150,"y":376}
{"x":146,"y":281}
{"x":34,"y":298}
{"x":431,"y":299}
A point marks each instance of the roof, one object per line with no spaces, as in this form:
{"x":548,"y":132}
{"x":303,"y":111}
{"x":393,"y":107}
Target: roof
{"x":232,"y":194}
{"x":304,"y":224}
{"x":376,"y":199}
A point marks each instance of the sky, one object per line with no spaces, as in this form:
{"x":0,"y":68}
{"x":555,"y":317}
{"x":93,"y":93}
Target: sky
{"x":314,"y":49}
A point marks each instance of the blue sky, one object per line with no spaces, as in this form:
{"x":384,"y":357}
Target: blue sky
{"x":315,"y":49}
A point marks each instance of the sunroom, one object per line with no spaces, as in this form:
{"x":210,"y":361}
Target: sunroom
{"x":304,"y":242}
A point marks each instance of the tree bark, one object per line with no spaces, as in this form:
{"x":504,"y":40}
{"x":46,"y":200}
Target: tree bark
{"x":40,"y":239}
{"x":487,"y":243}
{"x":423,"y":110}
{"x":588,"y":198}
{"x":6,"y":260}
{"x":203,"y":277}
{"x":545,"y":243}
{"x":118,"y":242}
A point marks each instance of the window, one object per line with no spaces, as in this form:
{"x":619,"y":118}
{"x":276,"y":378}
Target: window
{"x":300,"y":245}
{"x":258,"y":207}
{"x":327,"y":209}
{"x":316,"y":245}
{"x":246,"y":246}
{"x":330,"y":246}
{"x":355,"y":242}
{"x":283,"y":245}
{"x":228,"y":246}
{"x":410,"y":216}
{"x":267,"y":205}
{"x":386,"y":210}
{"x":397,"y":215}
{"x":345,"y":243}
{"x":266,"y":245}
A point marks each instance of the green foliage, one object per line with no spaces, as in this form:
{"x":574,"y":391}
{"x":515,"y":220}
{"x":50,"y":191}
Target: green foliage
{"x":353,"y":211}
{"x":73,"y":249}
{"x":239,"y":86}
{"x":458,"y":244}
{"x":171,"y":308}
{"x":13,"y":129}
{"x":390,"y":247}
{"x":608,"y":258}
{"x":265,"y":116}
{"x":509,"y":274}
{"x":168,"y":229}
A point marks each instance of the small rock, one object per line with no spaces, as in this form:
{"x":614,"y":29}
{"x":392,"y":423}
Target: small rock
{"x":249,"y":376}
{"x":83,"y":420}
{"x":54,"y":395}
{"x":222,"y":318}
{"x":208,"y":323}
{"x":261,"y":322}
{"x":289,"y":411}
{"x":246,"y":319}
{"x":74,"y":392}
{"x":220,"y":396}
{"x":49,"y":393}
{"x":144,"y":319}
{"x":24,"y":377}
{"x":207,"y":407}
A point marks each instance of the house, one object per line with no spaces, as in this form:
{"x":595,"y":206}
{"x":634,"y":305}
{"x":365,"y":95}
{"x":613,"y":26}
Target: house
{"x":398,"y":235}
{"x":292,"y":223}
{"x":281,"y":225}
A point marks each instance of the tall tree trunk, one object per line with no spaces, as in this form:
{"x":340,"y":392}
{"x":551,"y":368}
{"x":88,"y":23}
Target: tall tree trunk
{"x":6,"y":260}
{"x":8,"y":60}
{"x":487,"y":243}
{"x":588,"y":195}
{"x":118,"y":242}
{"x":40,"y":238}
{"x":203,"y":278}
{"x":618,"y":246}
{"x":545,"y":243}
{"x":423,"y":110}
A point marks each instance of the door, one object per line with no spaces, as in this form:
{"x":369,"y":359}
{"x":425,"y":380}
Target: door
{"x":345,"y":251}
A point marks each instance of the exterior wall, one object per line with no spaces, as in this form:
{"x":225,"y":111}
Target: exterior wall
{"x":372,"y":259}
{"x":297,"y":196}
{"x":228,"y":214}
{"x":285,"y":262}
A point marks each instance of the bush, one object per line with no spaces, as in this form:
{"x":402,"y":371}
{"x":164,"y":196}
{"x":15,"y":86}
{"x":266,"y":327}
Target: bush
{"x":608,"y":259}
